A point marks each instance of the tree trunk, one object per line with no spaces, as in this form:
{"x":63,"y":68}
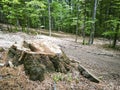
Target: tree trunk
{"x":77,"y":25}
{"x":38,"y":57}
{"x":83,"y":29}
{"x":91,"y":39}
{"x":49,"y":10}
{"x":116,"y":35}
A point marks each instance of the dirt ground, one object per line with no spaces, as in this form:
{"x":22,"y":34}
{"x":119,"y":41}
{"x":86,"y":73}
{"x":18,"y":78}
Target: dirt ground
{"x":103,"y":63}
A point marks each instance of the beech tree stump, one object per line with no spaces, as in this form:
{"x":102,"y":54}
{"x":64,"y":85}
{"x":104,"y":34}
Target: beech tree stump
{"x":39,"y":57}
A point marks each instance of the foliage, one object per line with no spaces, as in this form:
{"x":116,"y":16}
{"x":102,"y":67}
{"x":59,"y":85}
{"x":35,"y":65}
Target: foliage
{"x":66,"y":15}
{"x":57,"y":77}
{"x":109,"y":33}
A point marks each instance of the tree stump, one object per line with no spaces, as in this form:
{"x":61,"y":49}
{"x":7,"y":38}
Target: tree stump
{"x":39,"y":57}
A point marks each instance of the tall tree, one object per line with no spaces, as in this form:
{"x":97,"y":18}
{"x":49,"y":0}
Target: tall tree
{"x":91,"y":39}
{"x":49,"y":10}
{"x":77,"y":24}
{"x":84,"y":23}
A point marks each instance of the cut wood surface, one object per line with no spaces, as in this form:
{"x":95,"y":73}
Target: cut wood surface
{"x":38,"y":57}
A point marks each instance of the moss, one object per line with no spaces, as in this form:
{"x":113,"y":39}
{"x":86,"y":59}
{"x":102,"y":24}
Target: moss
{"x":58,"y":64}
{"x":1,"y":49}
{"x":37,"y":73}
{"x":46,"y":61}
{"x":34,"y":69}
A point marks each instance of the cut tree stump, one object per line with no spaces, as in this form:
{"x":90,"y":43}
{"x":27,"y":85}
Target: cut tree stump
{"x":39,"y":57}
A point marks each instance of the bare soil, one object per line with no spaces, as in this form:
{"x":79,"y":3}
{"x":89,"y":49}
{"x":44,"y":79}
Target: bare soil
{"x":103,"y":63}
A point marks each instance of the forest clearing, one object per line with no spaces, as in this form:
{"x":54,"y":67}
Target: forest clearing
{"x":59,"y":44}
{"x":100,"y":61}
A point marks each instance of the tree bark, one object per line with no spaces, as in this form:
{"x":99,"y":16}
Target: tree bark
{"x":77,"y":25}
{"x":49,"y":10}
{"x":116,"y":35}
{"x":83,"y":29}
{"x":39,"y":57}
{"x":91,"y":39}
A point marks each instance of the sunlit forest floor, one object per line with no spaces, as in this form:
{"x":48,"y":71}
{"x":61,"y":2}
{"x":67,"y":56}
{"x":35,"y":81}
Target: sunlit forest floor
{"x":101,"y":61}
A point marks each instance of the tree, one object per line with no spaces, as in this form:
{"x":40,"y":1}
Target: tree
{"x":49,"y":10}
{"x":84,"y":22}
{"x":80,"y":17}
{"x":91,"y":39}
{"x":78,"y":11}
{"x":113,"y":21}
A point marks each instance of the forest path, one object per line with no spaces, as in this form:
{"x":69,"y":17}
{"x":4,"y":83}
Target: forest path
{"x":105,"y":64}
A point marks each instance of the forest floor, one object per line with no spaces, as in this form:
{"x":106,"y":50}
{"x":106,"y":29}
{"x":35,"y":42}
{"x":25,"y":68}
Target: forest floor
{"x":103,"y":62}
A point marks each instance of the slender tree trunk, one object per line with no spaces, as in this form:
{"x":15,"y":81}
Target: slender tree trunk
{"x":91,"y":39}
{"x":116,"y":35}
{"x":77,"y":28}
{"x":77,"y":25}
{"x":83,"y":29}
{"x":76,"y":31}
{"x":61,"y":20}
{"x":28,"y":25}
{"x":1,"y":15}
{"x":55,"y":23}
{"x":44,"y":22}
{"x":49,"y":10}
{"x":52,"y":23}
